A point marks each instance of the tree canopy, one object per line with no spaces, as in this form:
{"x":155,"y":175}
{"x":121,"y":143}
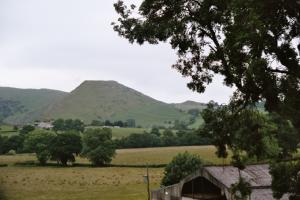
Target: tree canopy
{"x":253,"y":44}
{"x":39,"y":142}
{"x":65,"y":146}
{"x":98,"y":146}
{"x":68,"y":125}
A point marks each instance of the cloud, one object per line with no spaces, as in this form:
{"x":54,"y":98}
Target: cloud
{"x":57,"y":44}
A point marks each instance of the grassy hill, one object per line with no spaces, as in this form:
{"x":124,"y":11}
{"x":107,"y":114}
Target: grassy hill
{"x":188,"y":105}
{"x":110,"y":100}
{"x":19,"y":106}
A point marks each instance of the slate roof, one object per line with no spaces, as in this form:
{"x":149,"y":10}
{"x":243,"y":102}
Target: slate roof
{"x":257,"y":175}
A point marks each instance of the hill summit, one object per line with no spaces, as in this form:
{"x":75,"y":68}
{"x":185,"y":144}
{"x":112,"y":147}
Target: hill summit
{"x":102,"y":100}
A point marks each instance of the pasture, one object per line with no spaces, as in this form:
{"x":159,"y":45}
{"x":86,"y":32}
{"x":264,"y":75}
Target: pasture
{"x":7,"y":130}
{"x":88,"y":183}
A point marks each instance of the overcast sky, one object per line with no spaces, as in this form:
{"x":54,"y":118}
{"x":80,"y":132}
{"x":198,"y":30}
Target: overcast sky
{"x":57,"y":44}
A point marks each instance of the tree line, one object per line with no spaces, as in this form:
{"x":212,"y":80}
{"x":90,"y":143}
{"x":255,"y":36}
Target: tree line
{"x":130,"y":123}
{"x":168,"y":137}
{"x":62,"y":146}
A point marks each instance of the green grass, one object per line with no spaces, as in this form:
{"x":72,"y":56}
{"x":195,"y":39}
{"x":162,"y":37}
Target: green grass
{"x":198,"y":122}
{"x":143,"y":156}
{"x":7,"y":130}
{"x":39,"y":183}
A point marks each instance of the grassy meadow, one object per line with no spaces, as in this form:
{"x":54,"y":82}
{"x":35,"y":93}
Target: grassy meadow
{"x":88,"y":183}
{"x":7,"y":130}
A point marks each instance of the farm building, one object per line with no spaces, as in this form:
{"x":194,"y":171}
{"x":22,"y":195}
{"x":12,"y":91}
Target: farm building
{"x":214,"y":182}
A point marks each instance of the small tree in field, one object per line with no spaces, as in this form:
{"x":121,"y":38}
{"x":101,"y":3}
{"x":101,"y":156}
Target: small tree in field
{"x":39,"y":142}
{"x":65,"y":146}
{"x":181,"y":166}
{"x":98,"y":146}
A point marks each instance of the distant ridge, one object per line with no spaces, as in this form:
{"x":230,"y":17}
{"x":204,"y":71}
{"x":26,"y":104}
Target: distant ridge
{"x":91,"y":100}
{"x":19,"y":106}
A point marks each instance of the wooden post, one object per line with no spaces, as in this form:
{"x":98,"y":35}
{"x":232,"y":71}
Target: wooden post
{"x":148,"y":183}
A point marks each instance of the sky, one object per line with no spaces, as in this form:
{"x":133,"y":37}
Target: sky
{"x":57,"y":44}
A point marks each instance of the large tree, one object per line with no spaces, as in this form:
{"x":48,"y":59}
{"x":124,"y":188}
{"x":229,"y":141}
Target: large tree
{"x":65,"y":146}
{"x":253,"y":44}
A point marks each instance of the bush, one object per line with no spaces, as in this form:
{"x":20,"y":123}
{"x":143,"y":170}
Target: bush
{"x":11,"y":152}
{"x":181,"y":166}
{"x":14,"y":142}
{"x":39,"y":142}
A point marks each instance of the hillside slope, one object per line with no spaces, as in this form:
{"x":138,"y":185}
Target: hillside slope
{"x":110,"y":100}
{"x":19,"y":106}
{"x":188,"y":105}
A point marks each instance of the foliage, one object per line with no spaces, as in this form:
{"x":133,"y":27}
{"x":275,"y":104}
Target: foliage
{"x":181,"y":165}
{"x":287,"y":135}
{"x":39,"y":142}
{"x":14,"y":142}
{"x":155,"y":131}
{"x":247,"y":130}
{"x":253,"y":44}
{"x":237,"y":39}
{"x":98,"y":146}
{"x":241,"y":190}
{"x":68,"y":125}
{"x":180,"y":125}
{"x":65,"y":146}
{"x":168,"y":138}
{"x":97,"y":123}
{"x":258,"y":135}
{"x":11,"y":152}
{"x":26,"y":129}
{"x":136,"y":140}
{"x":286,"y":178}
{"x":2,"y":142}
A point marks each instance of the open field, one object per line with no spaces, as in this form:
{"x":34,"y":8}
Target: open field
{"x":40,"y":183}
{"x":162,"y":155}
{"x":88,"y":183}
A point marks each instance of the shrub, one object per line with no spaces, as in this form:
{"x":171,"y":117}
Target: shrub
{"x":181,"y":166}
{"x":39,"y":142}
{"x":98,"y":146}
{"x":11,"y":152}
